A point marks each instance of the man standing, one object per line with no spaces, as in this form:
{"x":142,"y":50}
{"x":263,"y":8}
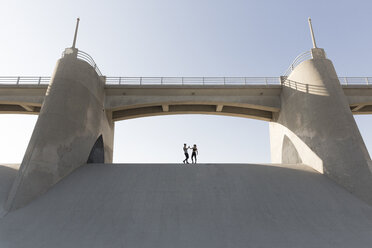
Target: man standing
{"x":185,"y":148}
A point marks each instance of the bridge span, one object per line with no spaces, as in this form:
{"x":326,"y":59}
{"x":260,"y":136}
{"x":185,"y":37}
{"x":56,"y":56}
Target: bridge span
{"x":128,"y":97}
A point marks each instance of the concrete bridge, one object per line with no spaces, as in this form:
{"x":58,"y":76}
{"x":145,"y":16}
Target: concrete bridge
{"x":128,"y":97}
{"x":309,"y":110}
{"x":289,"y":203}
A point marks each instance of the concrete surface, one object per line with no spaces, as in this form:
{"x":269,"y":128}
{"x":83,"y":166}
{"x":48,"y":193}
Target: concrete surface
{"x":71,"y":120}
{"x":204,"y":205}
{"x":8,"y":173}
{"x":316,"y":127}
{"x":27,"y":99}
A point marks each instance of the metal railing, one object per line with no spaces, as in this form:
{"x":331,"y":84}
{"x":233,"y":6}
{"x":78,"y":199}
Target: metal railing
{"x":193,"y":80}
{"x":355,"y":80}
{"x":82,"y":56}
{"x":25,"y":80}
{"x":298,"y":60}
{"x":31,"y":80}
{"x":87,"y":58}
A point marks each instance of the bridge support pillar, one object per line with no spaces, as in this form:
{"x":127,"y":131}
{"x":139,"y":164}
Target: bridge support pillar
{"x":316,"y":127}
{"x":72,"y":129}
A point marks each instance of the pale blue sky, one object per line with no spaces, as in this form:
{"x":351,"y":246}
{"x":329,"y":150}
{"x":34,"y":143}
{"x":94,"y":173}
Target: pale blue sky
{"x":181,"y":38}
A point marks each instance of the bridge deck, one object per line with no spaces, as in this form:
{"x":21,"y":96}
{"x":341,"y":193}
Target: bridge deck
{"x":255,"y":101}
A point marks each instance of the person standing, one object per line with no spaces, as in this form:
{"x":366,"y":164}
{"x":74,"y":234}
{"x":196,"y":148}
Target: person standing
{"x":185,"y":148}
{"x":194,"y":153}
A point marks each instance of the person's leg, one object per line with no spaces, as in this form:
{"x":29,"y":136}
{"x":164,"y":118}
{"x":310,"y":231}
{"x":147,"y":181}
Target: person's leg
{"x":187,"y":158}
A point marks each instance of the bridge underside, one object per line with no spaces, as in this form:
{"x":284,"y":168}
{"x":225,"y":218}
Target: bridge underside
{"x":171,"y":109}
{"x":361,"y":109}
{"x":191,"y":109}
{"x":19,"y":109}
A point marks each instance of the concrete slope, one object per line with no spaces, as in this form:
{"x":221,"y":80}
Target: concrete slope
{"x":176,"y":206}
{"x":8,"y":173}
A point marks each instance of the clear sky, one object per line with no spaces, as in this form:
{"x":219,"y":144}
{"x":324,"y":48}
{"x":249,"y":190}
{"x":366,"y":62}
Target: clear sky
{"x":181,"y":38}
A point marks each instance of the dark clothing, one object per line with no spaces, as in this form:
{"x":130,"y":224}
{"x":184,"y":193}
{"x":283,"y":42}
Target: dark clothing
{"x":186,"y":157}
{"x":193,"y":155}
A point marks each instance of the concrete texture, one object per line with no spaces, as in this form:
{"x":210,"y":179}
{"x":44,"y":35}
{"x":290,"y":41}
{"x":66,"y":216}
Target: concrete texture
{"x":72,"y":118}
{"x":205,"y":205}
{"x":315,"y":126}
{"x":8,"y":173}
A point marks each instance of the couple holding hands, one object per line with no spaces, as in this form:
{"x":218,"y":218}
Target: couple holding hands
{"x":193,"y":154}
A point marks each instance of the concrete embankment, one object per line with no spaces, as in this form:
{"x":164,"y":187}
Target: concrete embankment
{"x":206,"y":205}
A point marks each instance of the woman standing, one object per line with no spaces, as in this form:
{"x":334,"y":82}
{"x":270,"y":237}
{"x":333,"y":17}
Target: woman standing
{"x":194,"y":153}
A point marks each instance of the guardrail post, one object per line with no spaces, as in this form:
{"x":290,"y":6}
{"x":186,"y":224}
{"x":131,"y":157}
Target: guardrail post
{"x":140,"y":80}
{"x":18,"y":80}
{"x":224,"y":80}
{"x":119,"y":80}
{"x":39,"y":81}
{"x":245,"y":80}
{"x":367,"y":81}
{"x":266,"y":80}
{"x":282,"y":80}
{"x":345,"y":80}
{"x":182,"y":80}
{"x":203,"y":80}
{"x":161,"y":81}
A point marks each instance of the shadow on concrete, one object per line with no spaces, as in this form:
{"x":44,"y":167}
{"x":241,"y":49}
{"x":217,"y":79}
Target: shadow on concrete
{"x":205,"y":205}
{"x":97,"y":154}
{"x":306,"y":88}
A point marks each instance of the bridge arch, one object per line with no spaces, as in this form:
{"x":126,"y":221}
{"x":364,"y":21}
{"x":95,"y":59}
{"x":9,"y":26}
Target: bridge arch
{"x":189,"y":107}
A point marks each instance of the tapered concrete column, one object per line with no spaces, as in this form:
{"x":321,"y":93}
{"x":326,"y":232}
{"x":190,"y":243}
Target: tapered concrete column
{"x":316,"y":127}
{"x":72,"y":129}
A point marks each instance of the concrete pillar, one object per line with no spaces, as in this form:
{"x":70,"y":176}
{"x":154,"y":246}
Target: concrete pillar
{"x":316,"y":127}
{"x":71,"y":129}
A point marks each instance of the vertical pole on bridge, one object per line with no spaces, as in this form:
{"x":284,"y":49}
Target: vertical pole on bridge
{"x":312,"y":33}
{"x":76,"y":31}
